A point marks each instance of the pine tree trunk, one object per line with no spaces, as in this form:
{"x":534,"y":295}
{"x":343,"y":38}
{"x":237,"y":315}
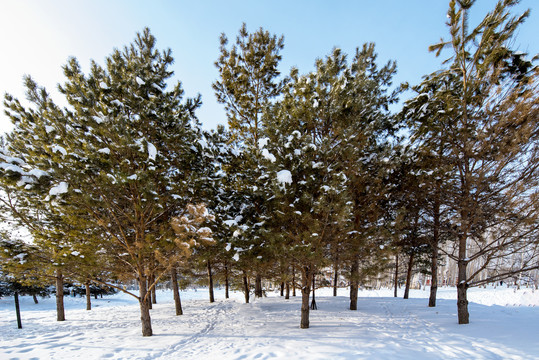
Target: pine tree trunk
{"x":434,"y":278}
{"x":293,"y":281}
{"x":35,"y":299}
{"x":305,"y":292}
{"x":88,"y":296}
{"x":149,"y":297}
{"x":18,"y":310}
{"x":153,"y":289}
{"x":245,"y":288}
{"x":282,"y":288}
{"x":210,"y":280}
{"x":144,"y":303}
{"x":409,"y":275}
{"x":287,"y":293}
{"x":176,"y":291}
{"x":354,"y":284}
{"x":60,"y":312}
{"x":258,"y":286}
{"x":226,"y":282}
{"x":396,"y":274}
{"x":462,"y":289}
{"x":336,"y":276}
{"x":434,"y":255}
{"x":313,"y":301}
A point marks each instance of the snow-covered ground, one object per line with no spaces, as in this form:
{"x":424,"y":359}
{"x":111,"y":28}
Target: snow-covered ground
{"x":504,"y":325}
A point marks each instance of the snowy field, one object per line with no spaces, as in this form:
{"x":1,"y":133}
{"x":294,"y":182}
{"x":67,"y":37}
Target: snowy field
{"x":504,"y":325}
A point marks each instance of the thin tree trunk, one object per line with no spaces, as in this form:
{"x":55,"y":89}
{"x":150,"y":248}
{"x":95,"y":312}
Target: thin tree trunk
{"x":293,"y":281}
{"x":154,"y":290}
{"x":176,"y":291}
{"x":305,"y":292}
{"x":313,"y":301}
{"x":282,"y":288}
{"x":245,"y":288}
{"x":396,"y":274}
{"x":462,"y":289}
{"x":258,"y":286}
{"x":434,"y":255}
{"x":144,"y":303}
{"x":149,"y":297}
{"x":287,"y":293}
{"x":18,"y":310}
{"x":409,"y":275}
{"x":60,"y":312}
{"x":35,"y":299}
{"x":336,"y":276}
{"x":88,"y":295}
{"x":226,"y":282}
{"x":210,"y":280}
{"x":354,"y":284}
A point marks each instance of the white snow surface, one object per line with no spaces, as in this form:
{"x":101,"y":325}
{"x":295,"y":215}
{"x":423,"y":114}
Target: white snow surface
{"x":503,"y":325}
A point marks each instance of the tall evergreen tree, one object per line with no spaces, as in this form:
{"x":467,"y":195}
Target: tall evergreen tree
{"x":122,"y":156}
{"x":492,"y":133}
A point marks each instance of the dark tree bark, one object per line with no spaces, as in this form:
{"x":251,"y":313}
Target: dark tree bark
{"x":60,"y":312}
{"x":144,"y":302}
{"x":88,"y":295}
{"x":153,"y":290}
{"x":313,"y":301}
{"x":282,"y":288}
{"x":258,"y":286}
{"x":18,"y":310}
{"x":226,"y":282}
{"x":336,"y":276}
{"x":287,"y":293}
{"x":35,"y":299}
{"x":293,"y":281}
{"x":176,"y":291}
{"x":396,"y":274}
{"x":305,"y":292}
{"x":354,"y":284}
{"x":462,"y":289}
{"x":434,"y":255}
{"x":210,"y":280}
{"x":409,"y":275}
{"x":245,"y":288}
{"x":149,"y":297}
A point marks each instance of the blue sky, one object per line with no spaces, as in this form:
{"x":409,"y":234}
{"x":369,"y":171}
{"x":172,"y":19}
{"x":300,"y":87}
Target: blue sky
{"x":39,"y":36}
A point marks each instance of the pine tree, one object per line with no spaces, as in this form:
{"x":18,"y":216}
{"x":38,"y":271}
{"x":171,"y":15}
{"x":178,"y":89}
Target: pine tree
{"x":123,"y":157}
{"x":247,"y":86}
{"x":492,"y":132}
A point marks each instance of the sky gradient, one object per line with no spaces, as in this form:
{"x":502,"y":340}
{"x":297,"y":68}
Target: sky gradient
{"x":39,"y":36}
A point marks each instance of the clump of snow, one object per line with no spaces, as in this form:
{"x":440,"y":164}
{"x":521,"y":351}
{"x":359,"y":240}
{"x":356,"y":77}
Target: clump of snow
{"x":269,"y":156}
{"x":60,"y":149}
{"x":152,"y":151}
{"x":132,"y":177}
{"x":104,"y":151}
{"x":284,"y":177}
{"x":59,"y":189}
{"x":263,"y":142}
{"x":140,"y":81}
